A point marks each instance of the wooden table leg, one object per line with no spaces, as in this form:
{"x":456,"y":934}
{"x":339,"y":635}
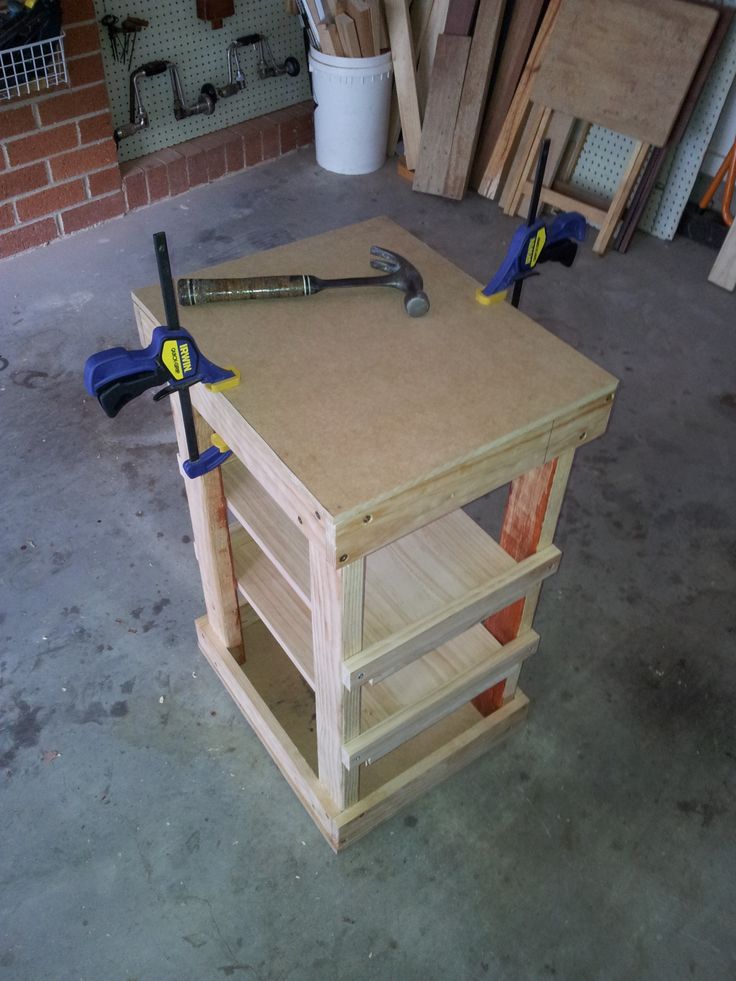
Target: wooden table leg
{"x":337,"y":632}
{"x":208,"y":511}
{"x":529,"y":523}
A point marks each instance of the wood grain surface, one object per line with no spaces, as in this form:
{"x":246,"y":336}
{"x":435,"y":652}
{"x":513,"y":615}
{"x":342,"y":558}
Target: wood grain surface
{"x":356,"y":398}
{"x":624,"y":64}
{"x":443,"y":103}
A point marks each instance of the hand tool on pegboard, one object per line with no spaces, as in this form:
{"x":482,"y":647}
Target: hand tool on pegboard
{"x":172,"y":360}
{"x":123,"y":36}
{"x":399,"y":273}
{"x":131,"y":27}
{"x":109,"y":21}
{"x":268,"y":67}
{"x":534,"y":243}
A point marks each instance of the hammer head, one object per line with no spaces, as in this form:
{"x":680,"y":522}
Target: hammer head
{"x":404,"y":276}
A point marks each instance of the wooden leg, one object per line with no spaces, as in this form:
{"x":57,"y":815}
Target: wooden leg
{"x":623,"y":192}
{"x":575,"y":146}
{"x":337,"y":632}
{"x":522,"y":168}
{"x":559,"y":131}
{"x":208,"y":511}
{"x":529,"y":523}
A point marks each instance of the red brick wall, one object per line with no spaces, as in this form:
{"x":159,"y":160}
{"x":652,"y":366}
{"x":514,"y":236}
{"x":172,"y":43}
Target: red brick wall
{"x":58,"y":162}
{"x":59,"y":170}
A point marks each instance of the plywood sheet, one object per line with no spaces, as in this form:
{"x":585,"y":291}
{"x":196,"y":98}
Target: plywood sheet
{"x":624,"y":64}
{"x":357,"y":398}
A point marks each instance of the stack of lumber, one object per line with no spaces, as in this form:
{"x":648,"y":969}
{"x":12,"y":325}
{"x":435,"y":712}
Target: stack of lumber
{"x":480,"y":83}
{"x":457,"y":66}
{"x":456,"y":97}
{"x":346,"y":28}
{"x":600,"y":67}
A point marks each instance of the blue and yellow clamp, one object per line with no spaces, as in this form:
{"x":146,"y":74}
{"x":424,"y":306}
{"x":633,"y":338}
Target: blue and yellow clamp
{"x":532,"y":245}
{"x":172,"y":360}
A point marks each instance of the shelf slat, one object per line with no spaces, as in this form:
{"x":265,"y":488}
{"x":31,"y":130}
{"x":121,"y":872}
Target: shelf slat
{"x":441,"y":562}
{"x":276,"y":604}
{"x":379,"y":660}
{"x":439,"y":701}
{"x":429,"y":586}
{"x":264,"y":521}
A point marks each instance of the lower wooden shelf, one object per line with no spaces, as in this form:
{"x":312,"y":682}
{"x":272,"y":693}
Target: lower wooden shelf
{"x":273,"y":696}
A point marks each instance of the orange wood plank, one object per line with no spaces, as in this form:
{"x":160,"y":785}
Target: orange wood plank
{"x":520,"y":533}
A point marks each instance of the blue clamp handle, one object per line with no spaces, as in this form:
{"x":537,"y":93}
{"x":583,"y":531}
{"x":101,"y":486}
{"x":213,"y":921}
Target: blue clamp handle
{"x":568,"y":224}
{"x":116,"y":376}
{"x":173,"y":360}
{"x":533,"y":244}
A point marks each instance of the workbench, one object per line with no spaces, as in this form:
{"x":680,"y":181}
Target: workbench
{"x":368,"y":629}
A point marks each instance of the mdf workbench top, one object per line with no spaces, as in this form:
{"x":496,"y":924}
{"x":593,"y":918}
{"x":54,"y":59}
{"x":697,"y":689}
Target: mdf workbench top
{"x":364,"y":404}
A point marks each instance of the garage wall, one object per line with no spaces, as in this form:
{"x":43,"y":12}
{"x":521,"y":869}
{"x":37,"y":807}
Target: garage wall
{"x":60,"y":169}
{"x":58,"y":163}
{"x":176,"y":34}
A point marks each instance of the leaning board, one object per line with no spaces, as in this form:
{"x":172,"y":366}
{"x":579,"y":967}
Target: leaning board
{"x":723,"y":273}
{"x":623,"y":64}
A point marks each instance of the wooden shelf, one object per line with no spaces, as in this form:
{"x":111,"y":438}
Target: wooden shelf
{"x":268,"y":525}
{"x":277,"y":605}
{"x":280,"y":707}
{"x":423,"y":595}
{"x":289,"y":620}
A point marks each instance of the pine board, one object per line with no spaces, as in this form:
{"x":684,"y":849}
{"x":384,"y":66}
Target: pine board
{"x":361,"y":14}
{"x":443,"y":103}
{"x":514,"y":48}
{"x":404,"y":64}
{"x":723,"y":273}
{"x":472,"y":100}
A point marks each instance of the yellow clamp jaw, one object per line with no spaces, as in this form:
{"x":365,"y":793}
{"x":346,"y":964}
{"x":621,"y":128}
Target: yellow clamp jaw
{"x":222,"y":386}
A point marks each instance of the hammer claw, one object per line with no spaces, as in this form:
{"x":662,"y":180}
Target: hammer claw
{"x":384,"y":259}
{"x":387,"y":267}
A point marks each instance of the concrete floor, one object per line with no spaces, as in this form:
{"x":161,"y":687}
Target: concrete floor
{"x":146,"y":834}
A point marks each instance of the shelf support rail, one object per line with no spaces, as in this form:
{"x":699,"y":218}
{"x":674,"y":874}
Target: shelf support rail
{"x":379,"y":660}
{"x":371,"y":745}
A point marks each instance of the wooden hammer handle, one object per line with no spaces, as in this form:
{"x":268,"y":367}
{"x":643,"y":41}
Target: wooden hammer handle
{"x":193,"y":292}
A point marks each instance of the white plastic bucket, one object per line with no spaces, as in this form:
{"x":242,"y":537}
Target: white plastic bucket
{"x":353,"y":97}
